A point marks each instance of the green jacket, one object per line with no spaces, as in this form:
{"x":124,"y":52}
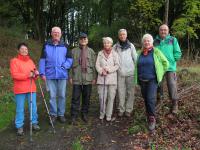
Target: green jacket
{"x":170,"y":48}
{"x":76,"y":74}
{"x":161,"y":65}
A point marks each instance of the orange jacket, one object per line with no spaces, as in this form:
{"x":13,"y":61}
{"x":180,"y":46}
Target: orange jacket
{"x":20,"y":68}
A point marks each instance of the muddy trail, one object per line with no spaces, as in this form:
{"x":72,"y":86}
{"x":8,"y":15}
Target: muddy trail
{"x":181,"y":131}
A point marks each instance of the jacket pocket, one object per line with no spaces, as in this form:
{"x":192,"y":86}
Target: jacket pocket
{"x":89,"y":75}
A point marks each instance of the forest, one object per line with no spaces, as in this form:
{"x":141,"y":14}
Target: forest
{"x":100,"y":18}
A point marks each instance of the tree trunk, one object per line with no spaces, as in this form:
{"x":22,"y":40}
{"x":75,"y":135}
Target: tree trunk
{"x":166,"y":11}
{"x":188,"y":52}
{"x":38,"y":19}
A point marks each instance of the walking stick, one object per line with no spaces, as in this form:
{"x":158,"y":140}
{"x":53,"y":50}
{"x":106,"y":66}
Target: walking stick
{"x":31,"y":114}
{"x":54,"y":131}
{"x":103,"y":100}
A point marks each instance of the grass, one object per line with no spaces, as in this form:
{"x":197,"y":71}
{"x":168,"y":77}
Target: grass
{"x":7,"y":110}
{"x":76,"y":145}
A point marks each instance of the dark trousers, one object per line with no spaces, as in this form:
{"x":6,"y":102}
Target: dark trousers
{"x":171,"y":85}
{"x":148,"y":90}
{"x":85,"y":90}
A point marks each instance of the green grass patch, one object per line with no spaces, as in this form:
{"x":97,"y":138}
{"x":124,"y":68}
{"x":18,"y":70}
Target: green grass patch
{"x":139,"y":124}
{"x":76,"y":145}
{"x":7,"y":110}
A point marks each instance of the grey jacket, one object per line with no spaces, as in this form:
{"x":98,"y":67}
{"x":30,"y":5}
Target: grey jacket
{"x":128,"y":59}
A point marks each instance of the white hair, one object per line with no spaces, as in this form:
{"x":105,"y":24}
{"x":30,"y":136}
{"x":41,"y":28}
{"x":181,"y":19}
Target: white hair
{"x":122,"y":30}
{"x":109,"y":39}
{"x":147,"y":36}
{"x":57,"y":29}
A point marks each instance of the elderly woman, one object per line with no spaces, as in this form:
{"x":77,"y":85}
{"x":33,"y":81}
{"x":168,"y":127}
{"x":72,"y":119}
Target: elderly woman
{"x":107,"y":65}
{"x":24,"y":73}
{"x":150,"y":68}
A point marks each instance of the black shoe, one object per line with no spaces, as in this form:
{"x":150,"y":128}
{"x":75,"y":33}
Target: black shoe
{"x":84,"y":118}
{"x":20,"y":131}
{"x":62,"y":119}
{"x":53,"y":118}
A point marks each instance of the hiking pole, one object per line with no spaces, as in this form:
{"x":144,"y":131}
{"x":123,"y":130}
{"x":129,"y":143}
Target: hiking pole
{"x":103,"y":100}
{"x":31,"y":114}
{"x":54,"y":131}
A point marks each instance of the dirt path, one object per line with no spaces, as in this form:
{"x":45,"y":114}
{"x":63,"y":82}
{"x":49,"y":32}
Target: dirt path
{"x":181,"y":131}
{"x":93,"y":135}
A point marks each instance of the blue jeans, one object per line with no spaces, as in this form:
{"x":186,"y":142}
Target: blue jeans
{"x":20,"y":100}
{"x":149,"y":90}
{"x":57,"y":88}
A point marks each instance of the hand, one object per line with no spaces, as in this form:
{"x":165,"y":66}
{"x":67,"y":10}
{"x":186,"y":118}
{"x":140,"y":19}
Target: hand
{"x":71,"y":81}
{"x":104,"y":72}
{"x":36,"y":72}
{"x":43,"y":78}
{"x":31,"y":75}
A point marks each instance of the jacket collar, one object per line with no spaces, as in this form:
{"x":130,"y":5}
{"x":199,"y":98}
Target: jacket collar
{"x":166,"y":38}
{"x":50,"y":42}
{"x":128,"y":45}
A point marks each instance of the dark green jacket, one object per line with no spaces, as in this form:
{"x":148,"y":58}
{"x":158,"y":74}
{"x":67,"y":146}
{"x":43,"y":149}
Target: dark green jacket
{"x":76,"y":74}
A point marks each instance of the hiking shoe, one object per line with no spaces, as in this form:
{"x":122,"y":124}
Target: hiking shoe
{"x":151,"y":123}
{"x":84,"y":118}
{"x":36,"y":127}
{"x":62,"y":119}
{"x":120,"y":114}
{"x":128,"y":114}
{"x":175,"y":107}
{"x":20,"y":131}
{"x":108,"y":119}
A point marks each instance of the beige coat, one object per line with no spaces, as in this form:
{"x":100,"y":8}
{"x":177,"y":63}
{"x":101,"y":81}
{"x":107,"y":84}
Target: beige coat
{"x":111,"y":64}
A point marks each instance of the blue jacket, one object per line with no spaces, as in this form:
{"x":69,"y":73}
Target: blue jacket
{"x":55,"y":60}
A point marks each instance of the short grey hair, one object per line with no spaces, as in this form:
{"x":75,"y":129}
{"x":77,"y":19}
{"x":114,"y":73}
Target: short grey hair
{"x":122,"y":30}
{"x":109,"y":39}
{"x":56,"y":29}
{"x":147,"y":36}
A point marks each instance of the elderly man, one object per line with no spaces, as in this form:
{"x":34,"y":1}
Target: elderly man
{"x":128,"y":56}
{"x":54,"y":62}
{"x":82,"y":76}
{"x":170,"y":48}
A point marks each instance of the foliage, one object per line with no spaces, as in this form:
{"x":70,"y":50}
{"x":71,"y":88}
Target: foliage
{"x":188,"y":23}
{"x":76,"y":145}
{"x":144,"y":16}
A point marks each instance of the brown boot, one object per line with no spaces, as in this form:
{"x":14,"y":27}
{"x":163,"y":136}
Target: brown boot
{"x":175,"y":107}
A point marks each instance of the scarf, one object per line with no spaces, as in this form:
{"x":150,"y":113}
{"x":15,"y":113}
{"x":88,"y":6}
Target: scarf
{"x":147,"y":50}
{"x":107,"y":52}
{"x":124,"y":44}
{"x":23,"y":58}
{"x":83,"y":59}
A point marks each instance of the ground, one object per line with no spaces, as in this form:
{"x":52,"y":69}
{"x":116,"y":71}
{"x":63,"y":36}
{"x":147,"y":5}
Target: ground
{"x":181,"y":131}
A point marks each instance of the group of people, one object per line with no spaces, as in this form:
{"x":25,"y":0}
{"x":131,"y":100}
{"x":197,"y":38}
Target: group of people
{"x":116,"y":70}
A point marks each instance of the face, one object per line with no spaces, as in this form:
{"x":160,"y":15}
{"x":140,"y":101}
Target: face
{"x":23,"y":50}
{"x":163,"y":31}
{"x":107,"y":44}
{"x":147,"y":43}
{"x":56,"y":34}
{"x":122,"y":36}
{"x":83,"y":41}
